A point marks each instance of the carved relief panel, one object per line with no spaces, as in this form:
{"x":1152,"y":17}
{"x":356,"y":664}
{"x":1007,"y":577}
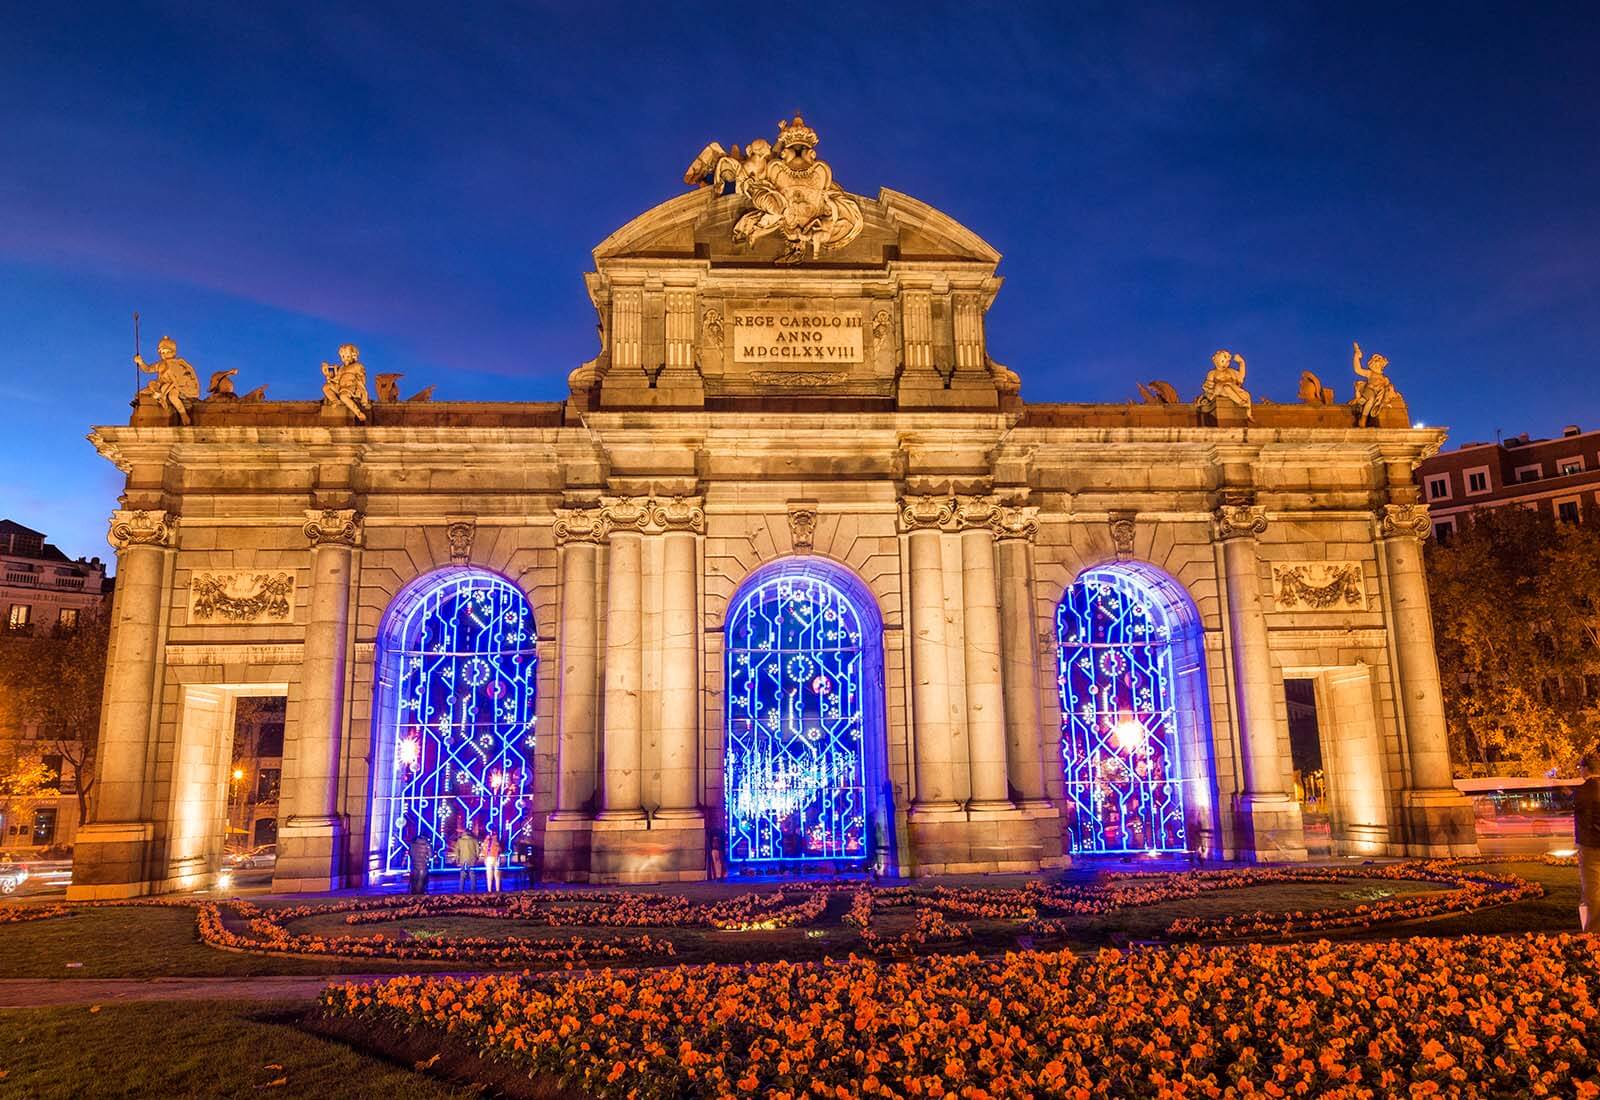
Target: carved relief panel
{"x":1320,"y":586}
{"x":241,"y":598}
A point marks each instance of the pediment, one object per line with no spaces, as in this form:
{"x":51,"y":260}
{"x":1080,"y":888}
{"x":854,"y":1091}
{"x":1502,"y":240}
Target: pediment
{"x":698,"y":225}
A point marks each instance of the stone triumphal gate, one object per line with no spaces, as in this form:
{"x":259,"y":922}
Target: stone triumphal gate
{"x":792,"y":582}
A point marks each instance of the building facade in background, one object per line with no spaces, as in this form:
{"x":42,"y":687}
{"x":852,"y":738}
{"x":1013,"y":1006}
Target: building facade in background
{"x":792,"y":582}
{"x":1559,"y":477}
{"x":43,"y":591}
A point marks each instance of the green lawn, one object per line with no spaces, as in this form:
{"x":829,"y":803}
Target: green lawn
{"x":216,"y":1049}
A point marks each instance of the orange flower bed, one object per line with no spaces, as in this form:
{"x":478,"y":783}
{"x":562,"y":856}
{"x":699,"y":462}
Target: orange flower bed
{"x":1477,"y":1016}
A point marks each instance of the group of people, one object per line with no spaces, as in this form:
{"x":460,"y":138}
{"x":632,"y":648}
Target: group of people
{"x":467,"y":851}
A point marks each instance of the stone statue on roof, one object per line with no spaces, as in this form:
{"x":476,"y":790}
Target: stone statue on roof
{"x":1224,"y":383}
{"x":790,"y":192}
{"x":1374,"y":391}
{"x":175,"y":385}
{"x":346,"y":383}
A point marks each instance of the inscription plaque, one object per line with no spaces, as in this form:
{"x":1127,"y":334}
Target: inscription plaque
{"x":799,"y":338}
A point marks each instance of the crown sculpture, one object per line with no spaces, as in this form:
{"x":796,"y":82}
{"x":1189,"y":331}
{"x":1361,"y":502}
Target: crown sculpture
{"x":789,"y":190}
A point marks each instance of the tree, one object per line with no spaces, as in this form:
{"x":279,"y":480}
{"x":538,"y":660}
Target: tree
{"x":1516,"y":607}
{"x":54,"y":684}
{"x":22,"y":779}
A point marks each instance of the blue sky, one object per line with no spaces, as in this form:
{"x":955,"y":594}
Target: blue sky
{"x":265,"y":182}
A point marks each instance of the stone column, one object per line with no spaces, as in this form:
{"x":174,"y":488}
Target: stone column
{"x":1267,"y":819}
{"x":976,"y":519}
{"x":111,"y":855}
{"x":930,"y":694}
{"x":578,"y":534}
{"x":311,"y":840}
{"x":620,"y":785}
{"x":1019,"y":657}
{"x":1439,"y":818}
{"x":682,"y":521}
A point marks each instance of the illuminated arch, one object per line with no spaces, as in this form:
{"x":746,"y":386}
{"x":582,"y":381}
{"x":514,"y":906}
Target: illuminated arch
{"x":1135,"y":733}
{"x":804,"y":777}
{"x":453,"y":725}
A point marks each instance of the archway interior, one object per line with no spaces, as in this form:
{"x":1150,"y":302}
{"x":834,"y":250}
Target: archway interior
{"x":804,"y":774}
{"x":458,"y":682}
{"x":1131,"y":692}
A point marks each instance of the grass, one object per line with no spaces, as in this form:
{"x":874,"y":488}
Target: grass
{"x":216,"y":1049}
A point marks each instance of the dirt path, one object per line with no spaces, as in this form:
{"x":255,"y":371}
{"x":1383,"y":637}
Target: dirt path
{"x":47,"y":992}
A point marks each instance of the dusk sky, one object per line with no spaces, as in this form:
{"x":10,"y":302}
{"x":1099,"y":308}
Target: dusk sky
{"x":264,"y":183}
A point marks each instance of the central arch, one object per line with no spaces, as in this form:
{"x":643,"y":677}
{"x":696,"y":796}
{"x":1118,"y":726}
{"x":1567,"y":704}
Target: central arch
{"x":454,"y":716}
{"x":804,"y":773}
{"x":1135,"y":736}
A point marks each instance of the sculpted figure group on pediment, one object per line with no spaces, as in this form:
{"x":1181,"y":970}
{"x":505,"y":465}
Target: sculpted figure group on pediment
{"x":790,"y":191}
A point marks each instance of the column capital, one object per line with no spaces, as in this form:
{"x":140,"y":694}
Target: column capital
{"x":926,"y":512}
{"x":142,"y":528}
{"x":678,"y":514}
{"x":333,"y":527}
{"x":1234,"y":521}
{"x":579,"y":525}
{"x":1020,"y":522}
{"x":976,"y":514}
{"x":1404,"y":521}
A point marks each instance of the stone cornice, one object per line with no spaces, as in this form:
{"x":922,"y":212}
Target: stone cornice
{"x":1404,"y":521}
{"x":142,"y":528}
{"x":333,"y":527}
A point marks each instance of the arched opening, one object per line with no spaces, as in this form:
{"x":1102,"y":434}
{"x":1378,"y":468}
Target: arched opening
{"x":805,"y":782}
{"x":1135,"y":734}
{"x":453,"y":724}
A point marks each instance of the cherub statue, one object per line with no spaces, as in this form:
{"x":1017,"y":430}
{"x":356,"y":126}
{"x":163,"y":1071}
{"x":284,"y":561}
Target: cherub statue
{"x":175,"y":384}
{"x":1158,"y":393}
{"x":1224,"y":383}
{"x":347,"y":383}
{"x":1374,"y":391}
{"x":1312,"y":391}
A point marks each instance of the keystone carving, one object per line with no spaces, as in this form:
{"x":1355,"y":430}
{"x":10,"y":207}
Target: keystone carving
{"x":460,"y":535}
{"x":333,"y":526}
{"x":803,"y":526}
{"x":1123,"y":530}
{"x":140,"y":528}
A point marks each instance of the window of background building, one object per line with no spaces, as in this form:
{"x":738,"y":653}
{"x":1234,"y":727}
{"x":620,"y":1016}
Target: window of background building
{"x":1478,"y":480}
{"x":1443,"y":529}
{"x":1529,"y":473}
{"x":44,"y":825}
{"x":1567,"y":510}
{"x":21,"y":615}
{"x":267,"y":785}
{"x":1572,"y":465}
{"x":1438,"y":488}
{"x":68,"y":619}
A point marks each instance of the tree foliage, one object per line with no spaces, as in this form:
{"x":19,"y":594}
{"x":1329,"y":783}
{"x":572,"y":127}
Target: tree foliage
{"x":54,"y":683}
{"x":1516,"y":608}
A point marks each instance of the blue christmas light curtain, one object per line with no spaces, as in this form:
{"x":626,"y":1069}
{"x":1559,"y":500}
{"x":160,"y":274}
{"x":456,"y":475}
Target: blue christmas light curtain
{"x":463,"y":671}
{"x":1119,"y":715}
{"x":794,"y":771}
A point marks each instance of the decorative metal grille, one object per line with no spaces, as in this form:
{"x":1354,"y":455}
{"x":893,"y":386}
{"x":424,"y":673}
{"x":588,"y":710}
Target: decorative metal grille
{"x":464,"y":672}
{"x":1119,"y":716}
{"x":794,"y":776}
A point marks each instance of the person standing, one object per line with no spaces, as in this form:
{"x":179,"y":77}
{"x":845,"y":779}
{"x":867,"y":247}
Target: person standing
{"x":1586,"y":830}
{"x":421,"y":857}
{"x":466,"y":856}
{"x":492,"y":854}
